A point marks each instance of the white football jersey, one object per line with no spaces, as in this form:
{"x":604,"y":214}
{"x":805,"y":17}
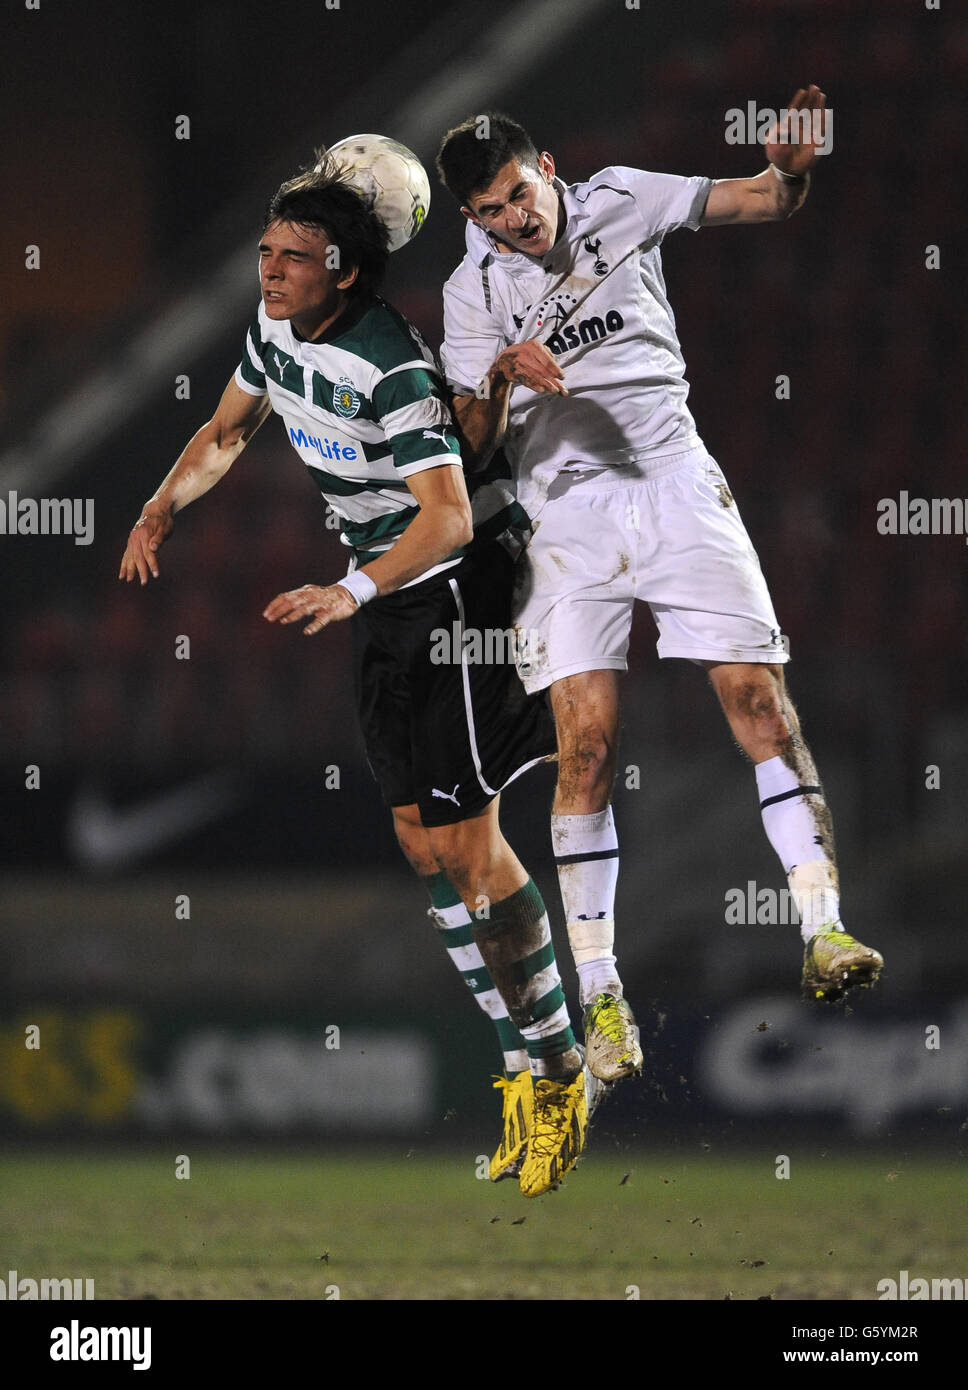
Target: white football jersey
{"x":598,"y":302}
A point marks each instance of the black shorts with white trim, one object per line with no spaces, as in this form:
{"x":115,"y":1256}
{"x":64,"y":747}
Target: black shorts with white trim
{"x":445,"y":719}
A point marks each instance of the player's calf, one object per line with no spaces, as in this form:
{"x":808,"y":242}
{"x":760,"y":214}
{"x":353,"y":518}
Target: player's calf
{"x":515,"y":944}
{"x":798,"y":824}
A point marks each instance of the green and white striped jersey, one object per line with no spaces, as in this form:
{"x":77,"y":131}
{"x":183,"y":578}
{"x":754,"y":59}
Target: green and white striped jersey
{"x":364,"y":408}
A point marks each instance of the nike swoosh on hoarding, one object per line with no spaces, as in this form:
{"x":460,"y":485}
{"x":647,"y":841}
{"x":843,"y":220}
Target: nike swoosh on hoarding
{"x":102,"y":836}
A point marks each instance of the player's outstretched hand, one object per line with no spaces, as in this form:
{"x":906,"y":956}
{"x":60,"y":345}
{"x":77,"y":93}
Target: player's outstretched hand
{"x":795,"y":143}
{"x":324,"y":606}
{"x":531,"y":364}
{"x":140,"y":554}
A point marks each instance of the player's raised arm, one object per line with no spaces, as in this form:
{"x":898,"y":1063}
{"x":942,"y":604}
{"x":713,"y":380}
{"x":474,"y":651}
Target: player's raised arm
{"x":792,"y":148}
{"x":206,"y":458}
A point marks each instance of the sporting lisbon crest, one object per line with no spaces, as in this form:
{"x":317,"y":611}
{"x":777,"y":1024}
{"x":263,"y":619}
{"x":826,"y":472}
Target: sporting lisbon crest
{"x":346,"y":402}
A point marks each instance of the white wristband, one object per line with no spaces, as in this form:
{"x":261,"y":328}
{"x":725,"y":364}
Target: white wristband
{"x":360,"y":585}
{"x":788,"y":178}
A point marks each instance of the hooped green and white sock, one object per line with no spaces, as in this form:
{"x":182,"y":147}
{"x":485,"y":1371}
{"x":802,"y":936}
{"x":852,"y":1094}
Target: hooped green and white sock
{"x":515,"y":942}
{"x":453,"y":922}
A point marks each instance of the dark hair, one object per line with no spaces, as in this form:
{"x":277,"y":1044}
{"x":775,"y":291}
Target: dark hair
{"x":321,"y":198}
{"x":472,"y":153}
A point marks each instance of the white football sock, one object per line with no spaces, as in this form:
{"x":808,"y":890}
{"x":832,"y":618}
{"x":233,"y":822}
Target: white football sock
{"x":586,"y":852}
{"x":793,"y":831}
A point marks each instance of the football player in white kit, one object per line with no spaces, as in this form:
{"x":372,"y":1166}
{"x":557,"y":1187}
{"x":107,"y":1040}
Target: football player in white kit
{"x":560,"y":346}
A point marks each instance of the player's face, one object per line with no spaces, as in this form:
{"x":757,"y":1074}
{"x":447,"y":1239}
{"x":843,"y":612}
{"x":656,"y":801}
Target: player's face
{"x":300,"y":277}
{"x":520,"y":207}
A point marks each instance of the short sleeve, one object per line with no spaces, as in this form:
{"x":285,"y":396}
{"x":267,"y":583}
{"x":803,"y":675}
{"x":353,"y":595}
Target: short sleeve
{"x":472,"y":336}
{"x":250,"y":374}
{"x":415,"y":420}
{"x":665,"y":201}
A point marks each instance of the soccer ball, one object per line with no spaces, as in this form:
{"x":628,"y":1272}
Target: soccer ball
{"x":391,"y":178}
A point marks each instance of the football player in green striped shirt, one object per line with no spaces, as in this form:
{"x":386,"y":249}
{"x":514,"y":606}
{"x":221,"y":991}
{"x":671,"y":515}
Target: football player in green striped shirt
{"x":364,"y":406}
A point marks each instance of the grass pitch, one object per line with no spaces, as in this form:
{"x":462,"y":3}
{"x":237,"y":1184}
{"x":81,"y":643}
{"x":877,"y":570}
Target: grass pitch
{"x":359,"y":1226}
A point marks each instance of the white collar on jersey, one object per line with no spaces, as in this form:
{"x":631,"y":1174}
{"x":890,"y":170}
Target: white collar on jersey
{"x":480,"y":244}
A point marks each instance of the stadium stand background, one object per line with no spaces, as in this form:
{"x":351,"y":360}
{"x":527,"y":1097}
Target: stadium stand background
{"x":298,"y":893}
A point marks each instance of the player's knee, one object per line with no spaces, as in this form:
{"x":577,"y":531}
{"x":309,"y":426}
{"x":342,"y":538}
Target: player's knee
{"x":586,"y":755}
{"x":751,"y":697}
{"x":447,"y":849}
{"x":758,"y":708}
{"x":464,"y":857}
{"x":406,"y":823}
{"x":413,"y":840}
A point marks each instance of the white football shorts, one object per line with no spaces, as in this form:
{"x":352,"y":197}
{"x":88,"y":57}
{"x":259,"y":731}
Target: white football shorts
{"x":673,"y":538}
